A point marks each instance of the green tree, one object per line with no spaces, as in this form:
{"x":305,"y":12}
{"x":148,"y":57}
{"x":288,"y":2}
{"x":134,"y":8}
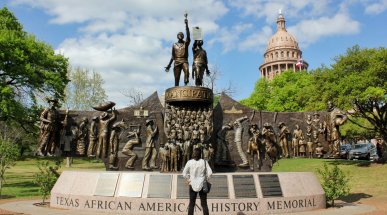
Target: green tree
{"x":357,"y":82}
{"x":46,"y":177}
{"x":334,"y":182}
{"x":27,"y":66}
{"x":84,"y":90}
{"x":8,"y":155}
{"x":288,"y":92}
{"x":260,"y":96}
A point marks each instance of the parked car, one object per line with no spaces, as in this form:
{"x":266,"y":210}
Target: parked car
{"x":363,"y":151}
{"x":344,"y":150}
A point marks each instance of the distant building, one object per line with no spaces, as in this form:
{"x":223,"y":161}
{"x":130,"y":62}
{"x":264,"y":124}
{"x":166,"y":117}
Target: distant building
{"x":282,"y":53}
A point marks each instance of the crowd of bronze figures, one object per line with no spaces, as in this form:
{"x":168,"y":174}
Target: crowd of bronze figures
{"x":187,"y":128}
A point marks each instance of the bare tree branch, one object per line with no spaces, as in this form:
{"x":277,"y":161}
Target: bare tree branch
{"x":135,"y":96}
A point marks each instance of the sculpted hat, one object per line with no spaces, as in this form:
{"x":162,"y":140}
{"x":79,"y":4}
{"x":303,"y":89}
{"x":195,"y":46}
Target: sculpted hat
{"x":104,"y":115}
{"x":148,"y":121}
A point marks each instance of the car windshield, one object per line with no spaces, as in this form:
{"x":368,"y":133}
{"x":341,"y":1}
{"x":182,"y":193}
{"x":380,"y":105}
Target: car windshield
{"x":359,"y":146}
{"x":343,"y":147}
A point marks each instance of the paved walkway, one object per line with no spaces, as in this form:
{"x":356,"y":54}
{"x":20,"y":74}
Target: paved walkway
{"x":27,"y":207}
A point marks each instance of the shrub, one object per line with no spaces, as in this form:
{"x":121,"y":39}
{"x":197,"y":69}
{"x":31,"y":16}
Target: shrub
{"x":9,"y":153}
{"x":335,"y":183}
{"x":46,"y":177}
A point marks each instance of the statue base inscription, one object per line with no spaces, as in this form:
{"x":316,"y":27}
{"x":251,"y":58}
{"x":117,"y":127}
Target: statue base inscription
{"x":76,"y":190}
{"x":189,"y":94}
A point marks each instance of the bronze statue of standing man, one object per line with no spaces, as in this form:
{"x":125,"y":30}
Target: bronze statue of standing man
{"x":200,"y":63}
{"x":180,"y":55}
{"x":49,"y":120}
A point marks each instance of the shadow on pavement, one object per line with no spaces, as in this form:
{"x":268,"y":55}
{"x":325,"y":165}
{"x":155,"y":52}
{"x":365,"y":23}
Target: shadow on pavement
{"x":355,"y":197}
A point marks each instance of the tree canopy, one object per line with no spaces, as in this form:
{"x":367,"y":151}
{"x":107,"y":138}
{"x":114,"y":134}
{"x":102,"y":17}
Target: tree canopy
{"x":27,"y":66}
{"x":84,"y":90}
{"x":355,"y":82}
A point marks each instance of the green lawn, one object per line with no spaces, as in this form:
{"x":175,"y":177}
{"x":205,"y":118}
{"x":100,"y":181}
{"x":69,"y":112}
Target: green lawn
{"x":19,"y":178}
{"x":367,"y":179}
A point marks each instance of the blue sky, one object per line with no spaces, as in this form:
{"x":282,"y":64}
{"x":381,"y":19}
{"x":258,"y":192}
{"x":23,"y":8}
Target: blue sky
{"x":129,"y":42}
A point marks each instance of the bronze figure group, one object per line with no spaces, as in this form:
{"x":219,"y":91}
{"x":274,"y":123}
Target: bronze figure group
{"x":180,"y":58}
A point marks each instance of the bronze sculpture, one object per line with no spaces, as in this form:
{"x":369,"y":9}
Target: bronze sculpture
{"x":255,"y":147}
{"x":297,"y":136}
{"x":93,"y":137}
{"x":200,"y":62}
{"x":134,"y":139}
{"x":48,"y":128}
{"x":105,"y":122}
{"x":269,"y":140}
{"x":180,"y":56}
{"x":223,"y":154}
{"x":238,"y":140}
{"x":283,"y":139}
{"x":82,"y":139}
{"x":149,"y":160}
{"x":114,"y":142}
{"x":336,"y":118}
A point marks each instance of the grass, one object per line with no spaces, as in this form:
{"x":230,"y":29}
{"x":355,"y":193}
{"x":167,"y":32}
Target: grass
{"x":19,"y":179}
{"x":367,"y":180}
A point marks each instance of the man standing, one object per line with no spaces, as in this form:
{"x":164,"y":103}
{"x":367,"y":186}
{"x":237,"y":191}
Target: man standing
{"x":48,"y":128}
{"x":180,"y":56}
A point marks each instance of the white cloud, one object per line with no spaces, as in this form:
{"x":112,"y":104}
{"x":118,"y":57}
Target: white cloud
{"x":268,"y":10}
{"x":309,"y":31}
{"x":128,"y":41}
{"x":375,"y":8}
{"x":229,"y":37}
{"x":257,"y":41}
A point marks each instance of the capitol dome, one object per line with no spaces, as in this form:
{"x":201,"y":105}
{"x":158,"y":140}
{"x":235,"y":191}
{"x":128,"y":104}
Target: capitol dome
{"x":282,"y":53}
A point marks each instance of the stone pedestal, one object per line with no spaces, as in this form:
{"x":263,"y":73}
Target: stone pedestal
{"x":158,"y":193}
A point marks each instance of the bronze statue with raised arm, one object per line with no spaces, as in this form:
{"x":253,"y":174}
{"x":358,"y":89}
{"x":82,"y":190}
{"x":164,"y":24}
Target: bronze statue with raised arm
{"x":180,"y":55}
{"x":200,"y":62}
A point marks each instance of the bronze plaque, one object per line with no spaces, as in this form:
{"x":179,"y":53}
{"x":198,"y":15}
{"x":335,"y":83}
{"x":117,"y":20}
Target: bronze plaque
{"x":189,"y":93}
{"x":131,"y":185}
{"x":160,"y":186}
{"x":106,"y":184}
{"x":270,"y":185}
{"x":219,"y":188}
{"x":182,"y":188}
{"x":244,"y":186}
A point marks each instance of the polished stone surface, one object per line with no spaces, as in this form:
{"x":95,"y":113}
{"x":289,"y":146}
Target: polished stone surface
{"x":163,"y":193}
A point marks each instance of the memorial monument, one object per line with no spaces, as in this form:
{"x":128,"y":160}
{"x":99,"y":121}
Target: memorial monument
{"x":144,"y":164}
